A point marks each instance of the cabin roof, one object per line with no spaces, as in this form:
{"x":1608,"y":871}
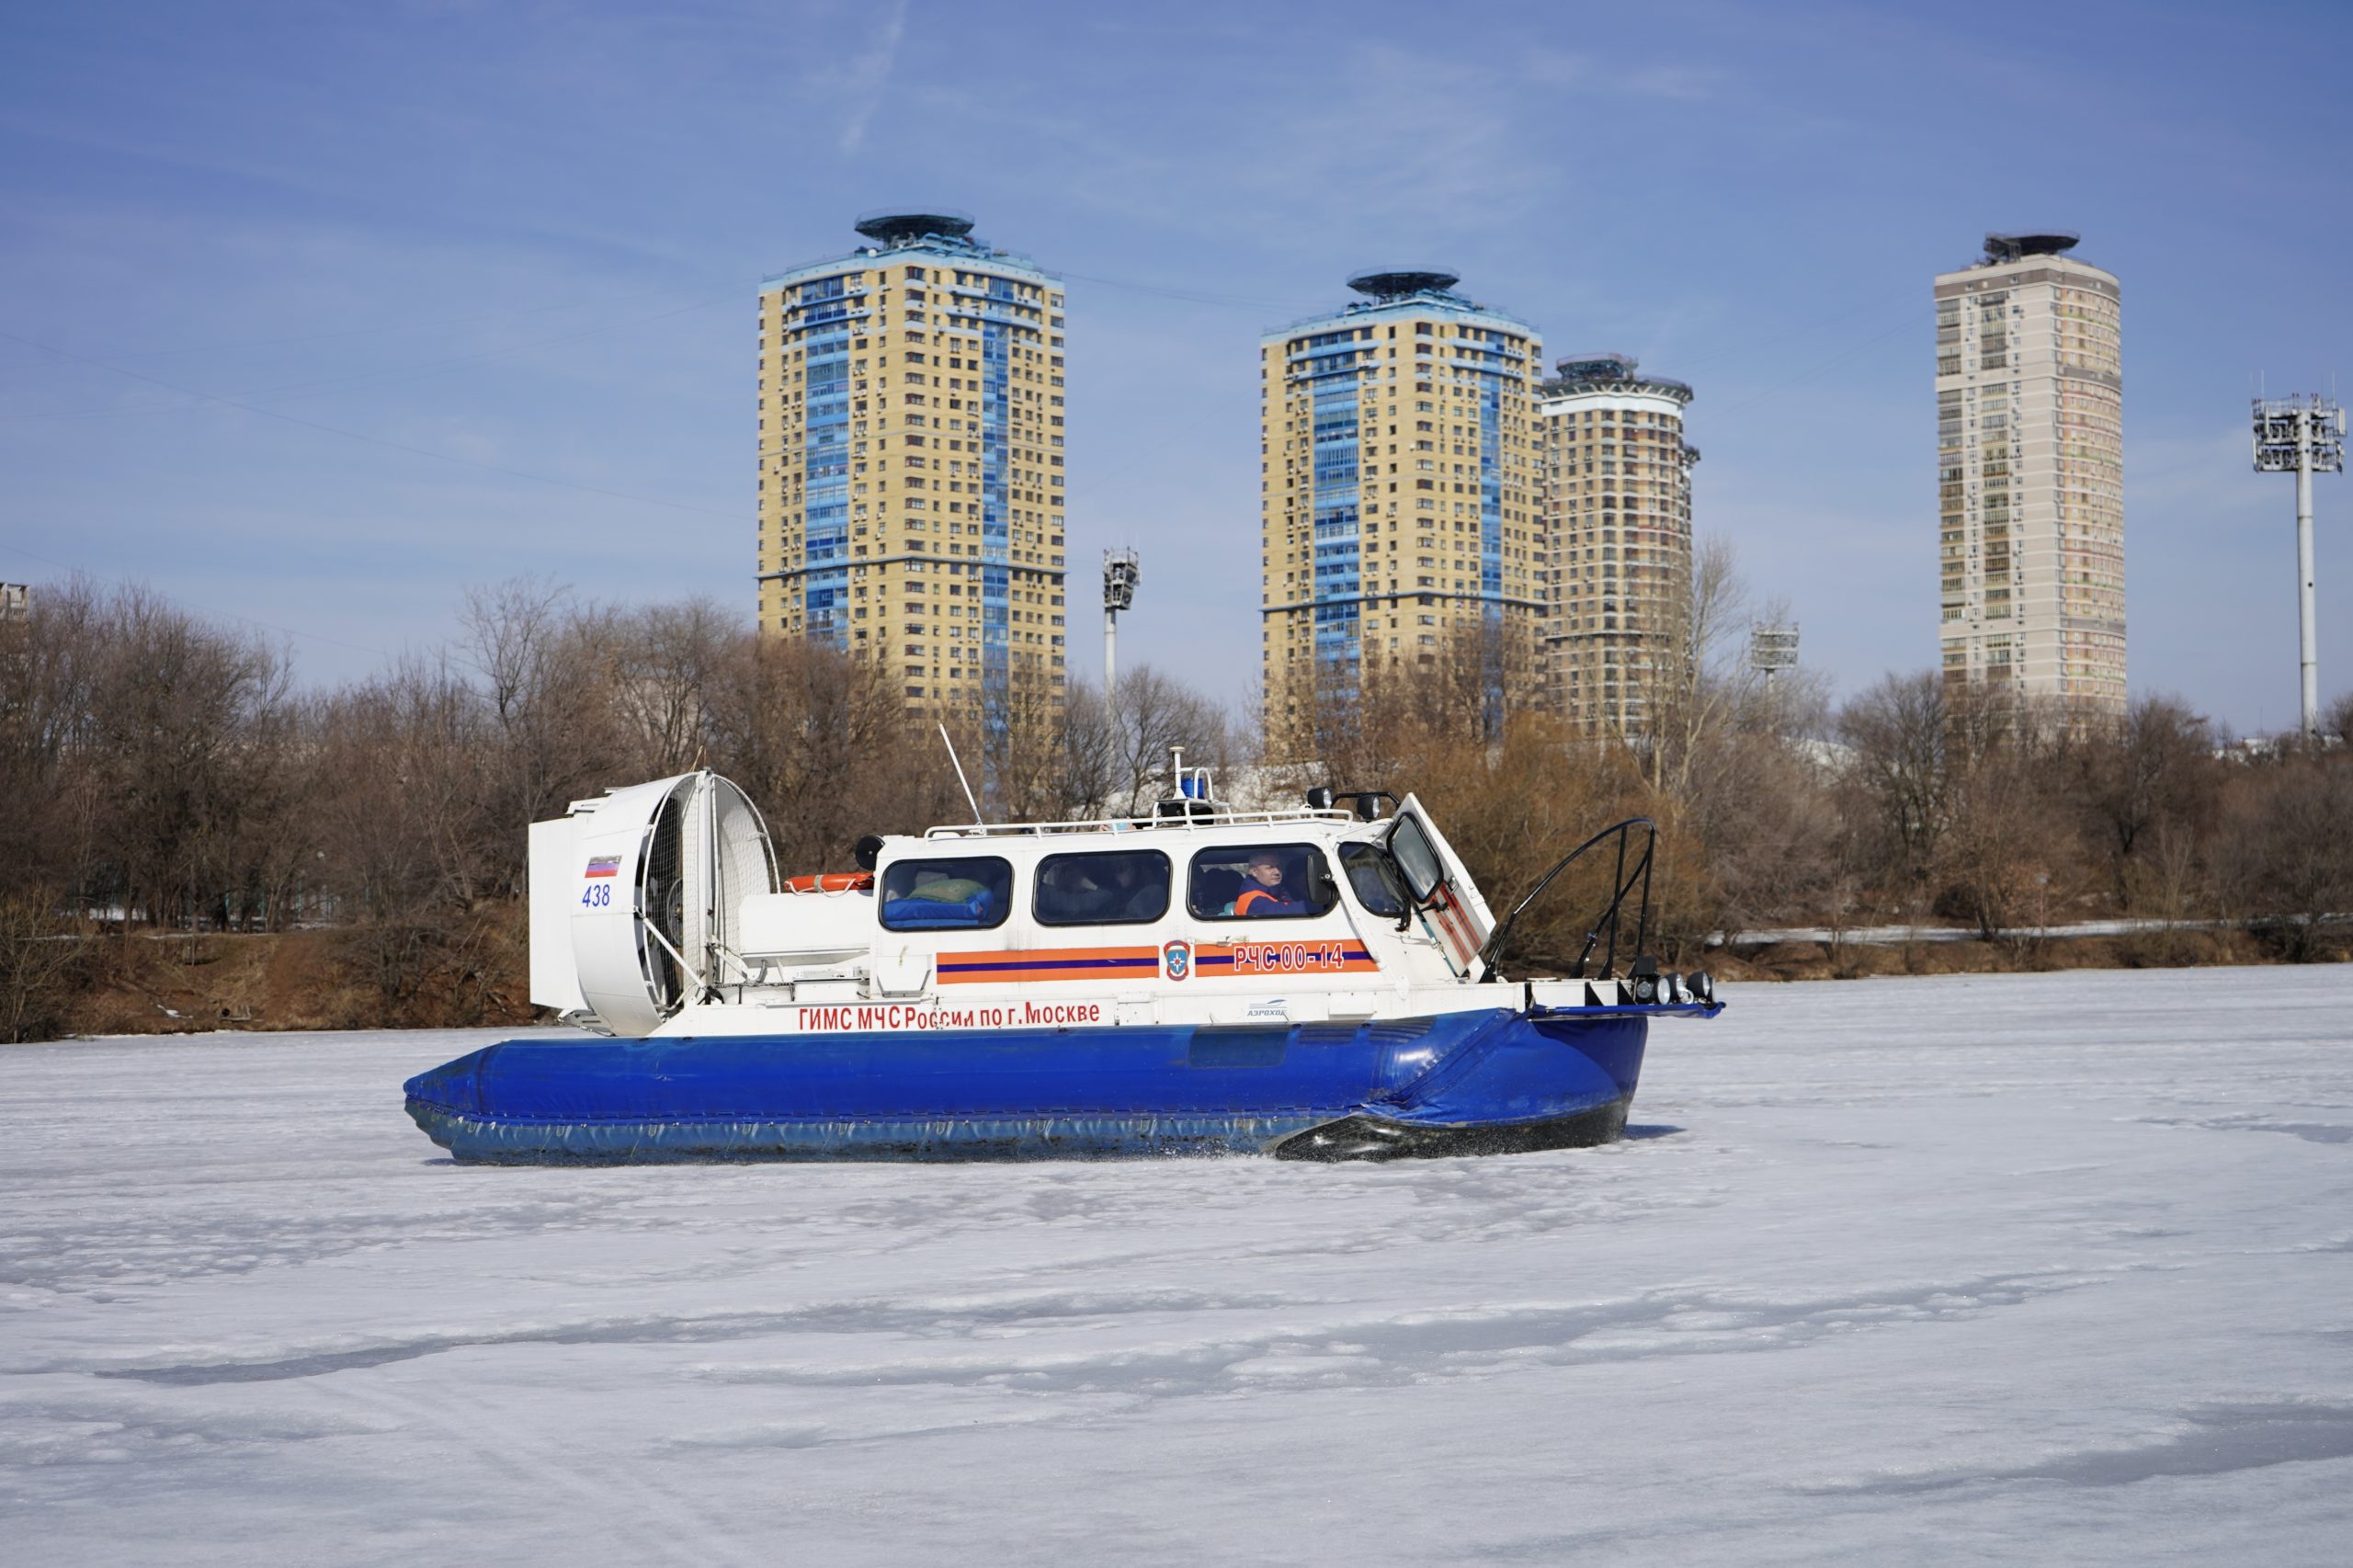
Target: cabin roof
{"x":1216,"y":826}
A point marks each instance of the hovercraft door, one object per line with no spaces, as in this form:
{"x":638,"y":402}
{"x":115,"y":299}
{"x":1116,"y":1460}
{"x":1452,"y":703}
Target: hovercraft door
{"x":1442,"y":889}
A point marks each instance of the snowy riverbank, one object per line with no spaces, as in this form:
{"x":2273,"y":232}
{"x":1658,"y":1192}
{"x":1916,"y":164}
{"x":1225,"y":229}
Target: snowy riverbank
{"x":2023,"y":1268}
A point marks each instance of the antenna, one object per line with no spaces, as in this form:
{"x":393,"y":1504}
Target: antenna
{"x":978,"y":821}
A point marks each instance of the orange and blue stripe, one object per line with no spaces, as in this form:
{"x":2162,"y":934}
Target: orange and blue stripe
{"x":1049,"y":963}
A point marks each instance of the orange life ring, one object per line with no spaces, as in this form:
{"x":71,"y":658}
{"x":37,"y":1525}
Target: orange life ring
{"x":832,"y":882}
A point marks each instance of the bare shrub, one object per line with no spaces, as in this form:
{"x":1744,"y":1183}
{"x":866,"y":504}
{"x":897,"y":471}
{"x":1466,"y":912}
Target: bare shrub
{"x":41,"y":958}
{"x":2288,"y":845}
{"x":2149,"y":774}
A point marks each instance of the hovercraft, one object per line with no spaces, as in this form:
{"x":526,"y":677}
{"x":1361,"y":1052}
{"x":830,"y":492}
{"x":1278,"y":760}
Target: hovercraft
{"x":1311,"y":983}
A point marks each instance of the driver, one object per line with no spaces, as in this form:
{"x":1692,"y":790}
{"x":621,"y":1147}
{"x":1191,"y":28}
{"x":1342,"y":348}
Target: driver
{"x":1263,"y":893}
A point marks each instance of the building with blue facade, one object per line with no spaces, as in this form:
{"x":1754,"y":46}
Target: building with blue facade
{"x":1399,"y":508}
{"x":911,"y":466}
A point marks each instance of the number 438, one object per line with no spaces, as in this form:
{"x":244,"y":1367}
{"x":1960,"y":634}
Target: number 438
{"x":596,"y":896}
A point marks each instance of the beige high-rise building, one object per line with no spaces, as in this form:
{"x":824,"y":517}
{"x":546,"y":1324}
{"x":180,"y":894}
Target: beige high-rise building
{"x":1617,"y":574}
{"x":2031,"y":472}
{"x":1398,"y":503}
{"x":911,"y":465}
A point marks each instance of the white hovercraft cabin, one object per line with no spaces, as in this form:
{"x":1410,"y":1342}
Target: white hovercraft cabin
{"x":658,"y":911}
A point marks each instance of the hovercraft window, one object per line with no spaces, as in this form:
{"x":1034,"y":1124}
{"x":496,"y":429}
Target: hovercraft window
{"x":1374,"y":879}
{"x":1409,"y":847}
{"x":1121,"y":889}
{"x":967,"y":894}
{"x":1260,"y":882}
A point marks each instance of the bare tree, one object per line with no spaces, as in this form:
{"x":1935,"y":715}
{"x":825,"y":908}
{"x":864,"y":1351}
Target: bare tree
{"x":1153,"y":714}
{"x":184,"y":721}
{"x":2288,"y":843}
{"x":658,"y":662}
{"x":1090,"y":753}
{"x":2336,"y":720}
{"x":407,"y":817}
{"x":1018,"y":745}
{"x":543,"y":677}
{"x":48,"y":662}
{"x":1896,"y":734}
{"x":1707,"y":686}
{"x":822,"y":743}
{"x":2154,"y":768}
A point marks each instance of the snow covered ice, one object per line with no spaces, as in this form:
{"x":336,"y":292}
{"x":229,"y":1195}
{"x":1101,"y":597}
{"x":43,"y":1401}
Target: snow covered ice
{"x":2025,"y":1269}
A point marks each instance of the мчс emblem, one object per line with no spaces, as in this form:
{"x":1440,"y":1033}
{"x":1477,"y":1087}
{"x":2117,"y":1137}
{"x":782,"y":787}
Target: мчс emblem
{"x":1176,"y":959}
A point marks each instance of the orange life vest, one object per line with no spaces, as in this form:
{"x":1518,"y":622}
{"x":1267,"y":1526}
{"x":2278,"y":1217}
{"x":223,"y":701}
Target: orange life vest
{"x":1253,"y":895}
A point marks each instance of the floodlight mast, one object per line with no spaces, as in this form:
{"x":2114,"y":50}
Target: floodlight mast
{"x":1122,"y":572}
{"x":2304,"y":435}
{"x":1772,"y":649}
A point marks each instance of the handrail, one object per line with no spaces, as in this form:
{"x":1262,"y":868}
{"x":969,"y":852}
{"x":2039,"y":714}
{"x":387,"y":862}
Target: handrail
{"x":1218,"y":817}
{"x":1621,"y":883}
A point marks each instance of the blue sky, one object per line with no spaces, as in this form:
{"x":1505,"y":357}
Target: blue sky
{"x":414,"y":253}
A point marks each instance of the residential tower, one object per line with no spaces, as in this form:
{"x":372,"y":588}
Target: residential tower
{"x":1398,"y":505}
{"x":911,"y":465}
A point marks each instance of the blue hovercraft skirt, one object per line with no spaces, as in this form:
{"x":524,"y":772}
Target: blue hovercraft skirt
{"x":1483,"y":1081}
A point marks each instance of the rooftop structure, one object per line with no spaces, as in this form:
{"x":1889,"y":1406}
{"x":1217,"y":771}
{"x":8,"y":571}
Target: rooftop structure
{"x":2001,"y":249}
{"x":1611,"y":371}
{"x":895,"y":230}
{"x":1401,"y":282}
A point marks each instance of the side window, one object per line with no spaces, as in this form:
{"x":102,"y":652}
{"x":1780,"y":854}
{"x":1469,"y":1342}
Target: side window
{"x":1411,"y":847}
{"x":1374,"y":879}
{"x":1102,"y":890}
{"x":971,"y":892}
{"x":1260,"y":882}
